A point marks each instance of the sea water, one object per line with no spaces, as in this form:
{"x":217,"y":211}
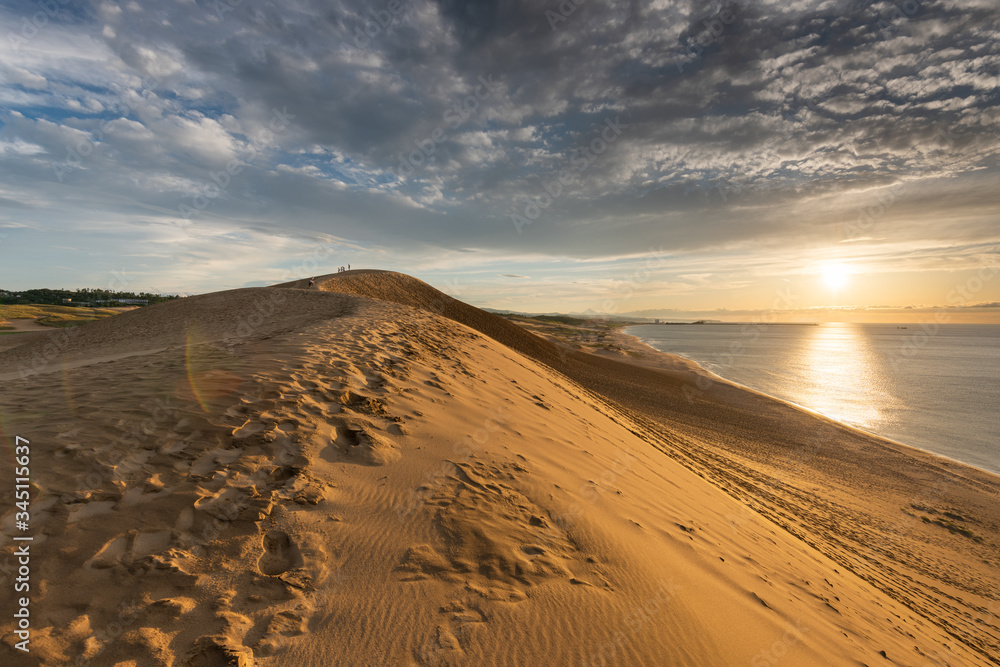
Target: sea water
{"x":932,"y":386}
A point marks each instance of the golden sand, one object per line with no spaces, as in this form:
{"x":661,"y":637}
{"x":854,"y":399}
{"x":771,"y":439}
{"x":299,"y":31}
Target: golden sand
{"x":372,"y":473}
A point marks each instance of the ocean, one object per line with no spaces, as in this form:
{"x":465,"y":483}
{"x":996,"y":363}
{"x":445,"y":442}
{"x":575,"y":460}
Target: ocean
{"x":931,"y":386}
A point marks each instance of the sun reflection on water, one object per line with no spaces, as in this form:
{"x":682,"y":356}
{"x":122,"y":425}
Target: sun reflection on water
{"x":842,"y":377}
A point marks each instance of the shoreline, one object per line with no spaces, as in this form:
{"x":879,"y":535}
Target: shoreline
{"x":877,"y":507}
{"x":799,"y":468}
{"x":266,"y":476}
{"x":636,"y":344}
{"x":635,"y":352}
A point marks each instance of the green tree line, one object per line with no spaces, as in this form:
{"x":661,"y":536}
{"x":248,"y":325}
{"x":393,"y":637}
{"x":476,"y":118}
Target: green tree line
{"x":56,"y":296}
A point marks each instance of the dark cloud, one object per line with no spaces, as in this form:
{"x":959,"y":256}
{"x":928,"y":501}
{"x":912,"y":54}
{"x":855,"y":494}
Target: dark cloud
{"x":741,"y":122}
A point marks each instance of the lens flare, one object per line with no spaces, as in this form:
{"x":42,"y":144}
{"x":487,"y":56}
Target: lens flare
{"x":192,"y":377}
{"x":204,"y":381}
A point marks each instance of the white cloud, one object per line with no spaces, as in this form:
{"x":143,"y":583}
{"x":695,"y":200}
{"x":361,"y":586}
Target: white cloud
{"x":792,"y":107}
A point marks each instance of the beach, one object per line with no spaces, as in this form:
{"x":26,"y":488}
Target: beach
{"x":930,"y":386}
{"x":374,"y":473}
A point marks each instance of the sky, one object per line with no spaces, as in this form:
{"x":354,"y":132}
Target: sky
{"x":793,"y":159}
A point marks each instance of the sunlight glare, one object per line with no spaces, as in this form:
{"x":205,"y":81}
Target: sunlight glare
{"x":836,"y":275}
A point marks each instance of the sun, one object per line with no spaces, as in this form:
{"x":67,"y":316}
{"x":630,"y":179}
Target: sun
{"x":836,"y":275}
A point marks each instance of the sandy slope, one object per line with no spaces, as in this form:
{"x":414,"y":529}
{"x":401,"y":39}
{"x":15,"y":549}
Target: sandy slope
{"x":924,"y":530}
{"x":290,"y":477}
{"x":24,"y":324}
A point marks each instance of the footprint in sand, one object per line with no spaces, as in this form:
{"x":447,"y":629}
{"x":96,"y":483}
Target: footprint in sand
{"x":214,"y":651}
{"x":280,"y":554}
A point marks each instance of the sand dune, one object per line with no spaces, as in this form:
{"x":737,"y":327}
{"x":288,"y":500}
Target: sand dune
{"x":376,"y":474}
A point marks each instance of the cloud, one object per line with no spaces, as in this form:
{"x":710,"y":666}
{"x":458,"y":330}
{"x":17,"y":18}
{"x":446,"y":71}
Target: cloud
{"x":514,"y":275}
{"x":492,"y":128}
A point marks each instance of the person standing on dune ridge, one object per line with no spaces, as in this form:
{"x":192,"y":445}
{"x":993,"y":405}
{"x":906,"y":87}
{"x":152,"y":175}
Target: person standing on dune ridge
{"x":312,"y":281}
